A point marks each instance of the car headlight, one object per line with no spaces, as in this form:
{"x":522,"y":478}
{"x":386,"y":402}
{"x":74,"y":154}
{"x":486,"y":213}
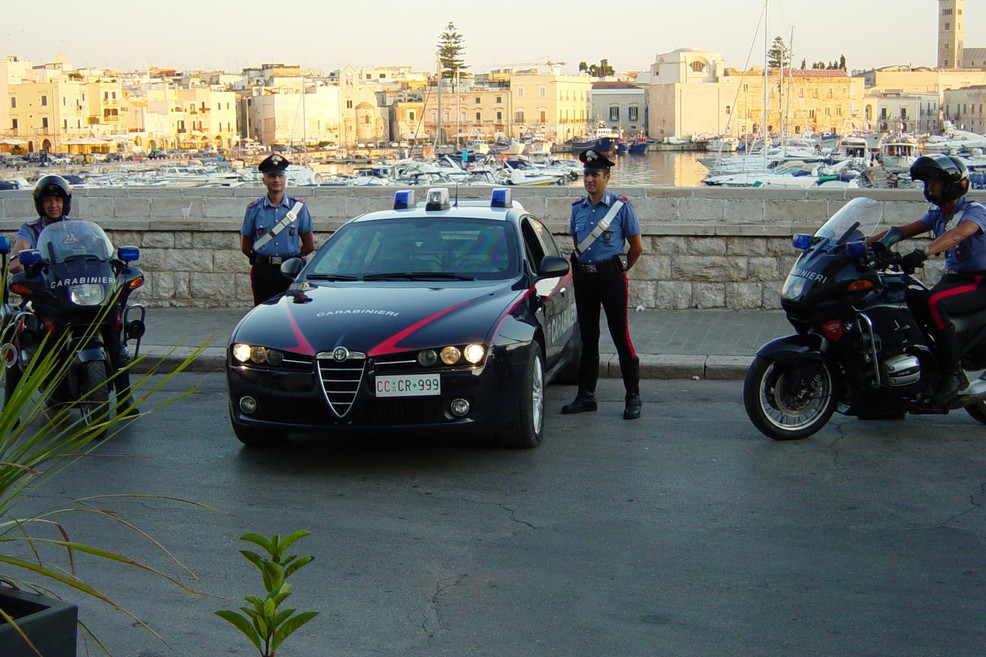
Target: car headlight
{"x":246,"y":353}
{"x":473,"y":354}
{"x":87,"y":294}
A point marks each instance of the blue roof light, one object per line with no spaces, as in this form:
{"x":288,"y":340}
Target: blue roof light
{"x":404,"y":199}
{"x":801,"y":241}
{"x":501,"y":198}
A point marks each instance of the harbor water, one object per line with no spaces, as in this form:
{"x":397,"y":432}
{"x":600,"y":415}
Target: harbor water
{"x":659,"y":168}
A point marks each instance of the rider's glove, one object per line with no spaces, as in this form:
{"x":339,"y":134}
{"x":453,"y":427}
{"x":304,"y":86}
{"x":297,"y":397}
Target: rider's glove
{"x":913,"y":260}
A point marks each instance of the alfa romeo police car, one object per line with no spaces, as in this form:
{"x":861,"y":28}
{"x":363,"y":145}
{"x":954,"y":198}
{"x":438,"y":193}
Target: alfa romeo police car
{"x":430,"y":315}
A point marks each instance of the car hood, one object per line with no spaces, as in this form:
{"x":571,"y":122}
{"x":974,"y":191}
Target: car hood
{"x":379,"y":318}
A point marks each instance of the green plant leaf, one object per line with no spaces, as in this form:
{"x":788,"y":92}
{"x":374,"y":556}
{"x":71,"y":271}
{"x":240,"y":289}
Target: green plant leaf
{"x":289,"y":626}
{"x":242,"y":624}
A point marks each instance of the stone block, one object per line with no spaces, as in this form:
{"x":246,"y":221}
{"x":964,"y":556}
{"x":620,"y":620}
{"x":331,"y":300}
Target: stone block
{"x":709,"y":295}
{"x":701,"y":210}
{"x":706,"y":246}
{"x":211,"y":286}
{"x":675,"y":295}
{"x":738,"y":246}
{"x":744,"y":296}
{"x":708,"y":269}
{"x":150,"y":240}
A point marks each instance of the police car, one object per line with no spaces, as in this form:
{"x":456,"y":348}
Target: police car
{"x":430,"y":315}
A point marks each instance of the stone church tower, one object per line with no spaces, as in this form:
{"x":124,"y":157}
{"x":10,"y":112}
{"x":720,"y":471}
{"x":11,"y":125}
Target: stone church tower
{"x":951,"y":33}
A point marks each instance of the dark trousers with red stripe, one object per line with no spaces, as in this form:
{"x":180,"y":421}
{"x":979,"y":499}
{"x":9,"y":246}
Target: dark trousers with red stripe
{"x":609,"y":291}
{"x":954,"y":294}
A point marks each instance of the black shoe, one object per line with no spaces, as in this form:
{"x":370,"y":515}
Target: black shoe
{"x":949,"y":386}
{"x":579,"y":406}
{"x":632,"y":409}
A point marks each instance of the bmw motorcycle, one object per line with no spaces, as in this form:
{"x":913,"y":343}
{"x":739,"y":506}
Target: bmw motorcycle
{"x":861,"y":345}
{"x":74,"y":298}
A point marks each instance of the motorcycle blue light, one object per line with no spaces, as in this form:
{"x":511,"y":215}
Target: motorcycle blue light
{"x":4,"y":245}
{"x":500,"y":198}
{"x":856,"y":249}
{"x":404,"y":199}
{"x":128,"y":253}
{"x":801,"y":241}
{"x":29,"y":257}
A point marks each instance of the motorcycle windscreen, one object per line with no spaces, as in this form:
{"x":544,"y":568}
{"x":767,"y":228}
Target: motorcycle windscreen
{"x":74,"y":238}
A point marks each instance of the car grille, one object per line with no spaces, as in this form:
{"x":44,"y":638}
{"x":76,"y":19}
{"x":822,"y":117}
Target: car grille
{"x":340,"y":380}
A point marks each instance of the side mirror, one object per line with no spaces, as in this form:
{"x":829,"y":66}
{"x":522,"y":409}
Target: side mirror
{"x":552,"y":266}
{"x":128,"y":254}
{"x":291,"y":267}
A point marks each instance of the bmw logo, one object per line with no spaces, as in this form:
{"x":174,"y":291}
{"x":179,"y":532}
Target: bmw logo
{"x":340,"y":354}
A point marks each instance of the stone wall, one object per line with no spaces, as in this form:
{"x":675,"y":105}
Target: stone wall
{"x":704,"y":247}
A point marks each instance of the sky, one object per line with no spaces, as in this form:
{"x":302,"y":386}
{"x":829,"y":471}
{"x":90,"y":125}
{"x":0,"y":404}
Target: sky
{"x":328,"y":34}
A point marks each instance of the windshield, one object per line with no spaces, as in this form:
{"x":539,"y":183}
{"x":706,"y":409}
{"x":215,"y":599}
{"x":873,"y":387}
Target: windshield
{"x":71,"y":238}
{"x":856,"y":220}
{"x":420,"y":247}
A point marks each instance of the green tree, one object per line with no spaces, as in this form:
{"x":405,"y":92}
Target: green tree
{"x":842,"y":62}
{"x":600,"y":70}
{"x":779,"y":55}
{"x":450,"y":51}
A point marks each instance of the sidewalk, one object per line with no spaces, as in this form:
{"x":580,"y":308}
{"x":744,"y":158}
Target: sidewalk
{"x":672,"y":344}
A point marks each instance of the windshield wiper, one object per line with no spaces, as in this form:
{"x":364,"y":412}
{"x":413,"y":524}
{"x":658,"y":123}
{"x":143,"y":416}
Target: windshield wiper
{"x":331,"y":277}
{"x":416,"y":275}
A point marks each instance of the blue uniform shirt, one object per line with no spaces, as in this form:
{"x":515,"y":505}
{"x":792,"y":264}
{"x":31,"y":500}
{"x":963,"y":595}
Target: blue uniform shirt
{"x":584,"y":218}
{"x":30,"y":231}
{"x":970,"y":254}
{"x":262,"y":215}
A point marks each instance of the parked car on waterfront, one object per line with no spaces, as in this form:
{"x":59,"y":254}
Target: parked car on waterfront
{"x":434,"y":315}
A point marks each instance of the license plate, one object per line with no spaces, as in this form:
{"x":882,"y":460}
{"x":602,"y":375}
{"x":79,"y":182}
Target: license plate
{"x":410,"y":385}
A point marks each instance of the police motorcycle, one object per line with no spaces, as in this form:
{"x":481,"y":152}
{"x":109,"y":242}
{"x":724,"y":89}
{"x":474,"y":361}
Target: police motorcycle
{"x":859,"y":348}
{"x":75,"y":297}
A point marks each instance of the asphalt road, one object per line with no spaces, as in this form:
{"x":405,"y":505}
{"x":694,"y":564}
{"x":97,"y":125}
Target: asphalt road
{"x":686,"y":533}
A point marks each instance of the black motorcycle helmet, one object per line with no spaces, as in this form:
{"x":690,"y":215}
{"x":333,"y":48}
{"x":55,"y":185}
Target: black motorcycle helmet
{"x":942,"y":167}
{"x":52,"y":186}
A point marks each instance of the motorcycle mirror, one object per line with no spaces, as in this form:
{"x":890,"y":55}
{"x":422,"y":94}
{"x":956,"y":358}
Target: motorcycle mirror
{"x":4,"y":245}
{"x":291,"y":267}
{"x":128,"y":253}
{"x":856,"y":249}
{"x":29,"y":257}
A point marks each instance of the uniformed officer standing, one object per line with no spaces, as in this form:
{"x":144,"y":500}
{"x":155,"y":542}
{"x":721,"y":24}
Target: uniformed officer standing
{"x":275,"y":228}
{"x":601,"y":224}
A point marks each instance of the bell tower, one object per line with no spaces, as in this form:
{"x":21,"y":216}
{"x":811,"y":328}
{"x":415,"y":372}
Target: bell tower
{"x":951,"y":33}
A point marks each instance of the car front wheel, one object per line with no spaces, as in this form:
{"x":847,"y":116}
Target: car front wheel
{"x":527,"y":429}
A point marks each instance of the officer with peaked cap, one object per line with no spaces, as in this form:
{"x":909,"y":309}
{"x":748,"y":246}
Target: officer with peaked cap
{"x":276,"y":227}
{"x":602,"y":225}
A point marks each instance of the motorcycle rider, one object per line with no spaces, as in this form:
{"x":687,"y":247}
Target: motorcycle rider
{"x":959,"y":228}
{"x":53,"y":202}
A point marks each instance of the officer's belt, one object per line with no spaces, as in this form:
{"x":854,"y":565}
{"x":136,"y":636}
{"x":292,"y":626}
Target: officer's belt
{"x":281,"y":225}
{"x":601,"y":227}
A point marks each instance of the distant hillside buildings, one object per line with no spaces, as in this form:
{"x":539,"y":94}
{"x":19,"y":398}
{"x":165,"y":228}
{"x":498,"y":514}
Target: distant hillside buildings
{"x":685,"y":93}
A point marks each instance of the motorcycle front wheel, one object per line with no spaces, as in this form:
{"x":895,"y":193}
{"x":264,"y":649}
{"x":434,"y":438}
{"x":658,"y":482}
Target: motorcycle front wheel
{"x":95,"y":404}
{"x":788,"y":402}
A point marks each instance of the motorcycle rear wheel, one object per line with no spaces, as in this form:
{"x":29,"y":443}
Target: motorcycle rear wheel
{"x":95,"y":406}
{"x":783,"y":413}
{"x":977,"y":411}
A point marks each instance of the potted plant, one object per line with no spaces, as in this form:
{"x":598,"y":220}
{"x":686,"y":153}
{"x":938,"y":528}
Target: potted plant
{"x":38,"y":556}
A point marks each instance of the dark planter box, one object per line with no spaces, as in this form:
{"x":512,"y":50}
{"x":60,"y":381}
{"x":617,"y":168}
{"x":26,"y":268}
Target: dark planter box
{"x":49,"y":623}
